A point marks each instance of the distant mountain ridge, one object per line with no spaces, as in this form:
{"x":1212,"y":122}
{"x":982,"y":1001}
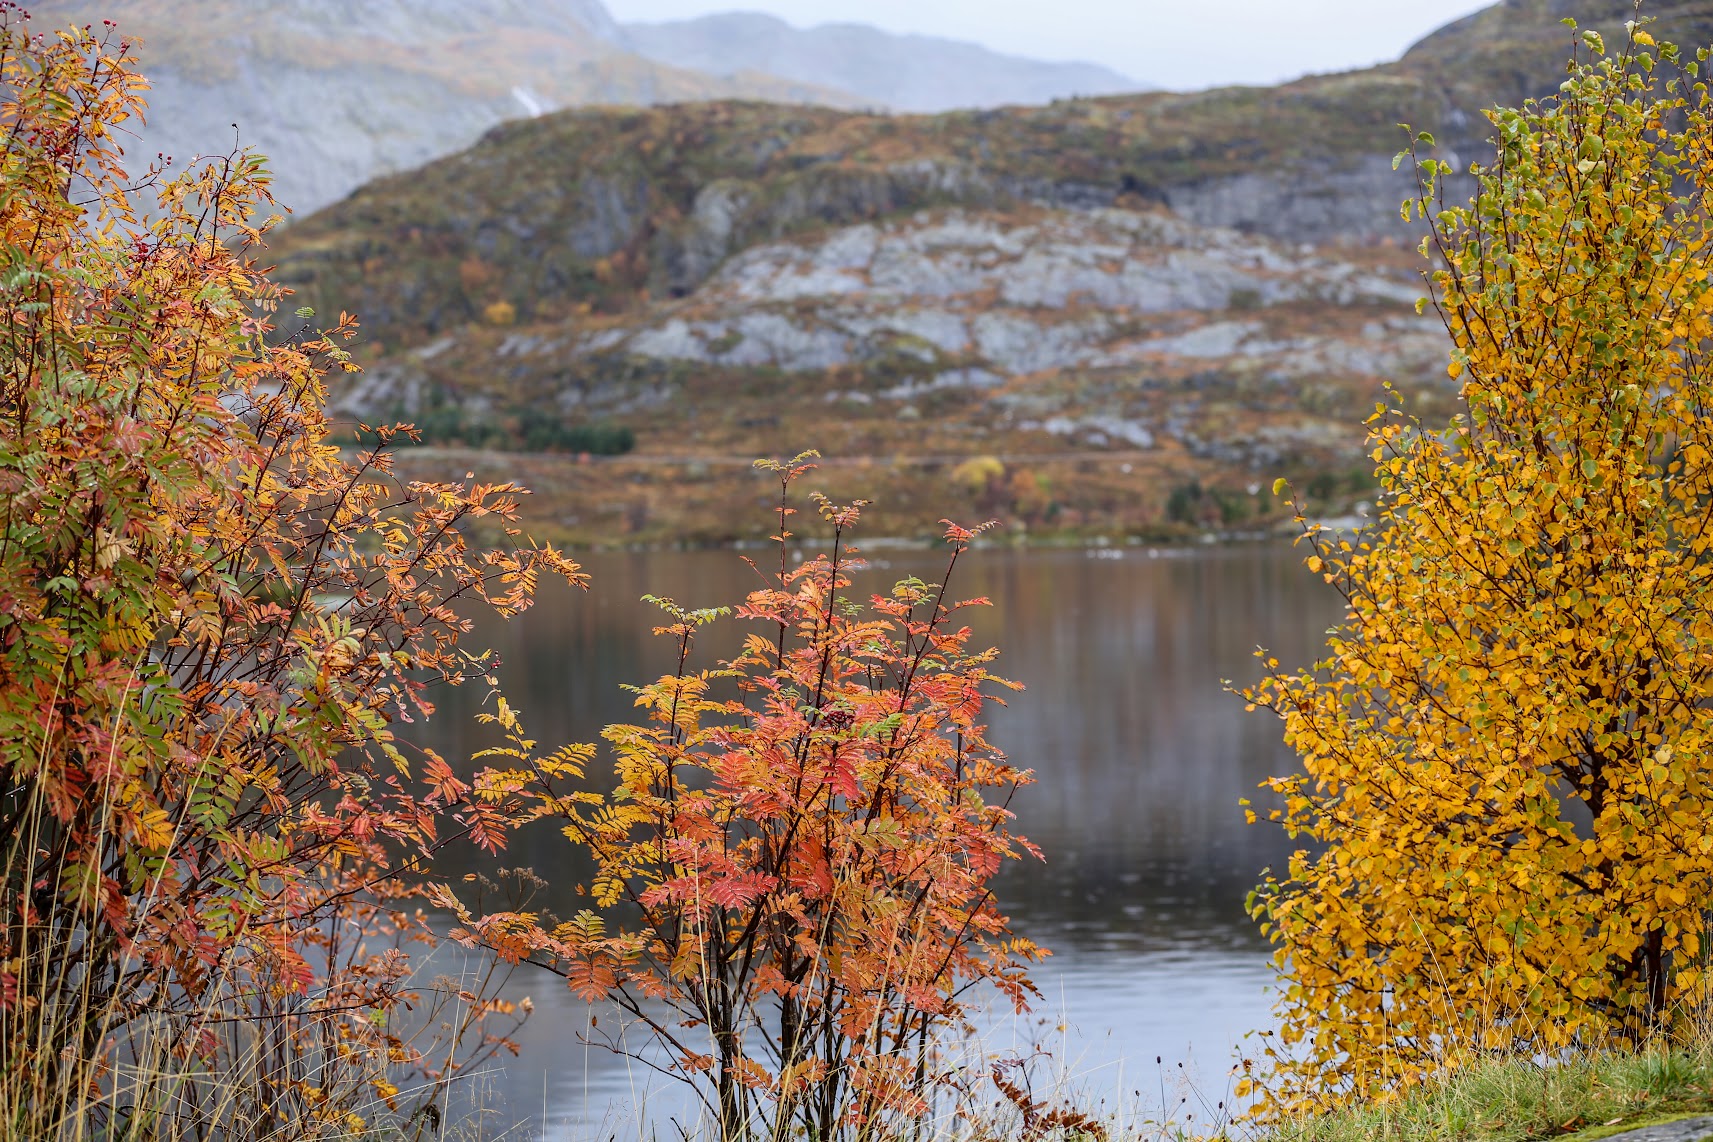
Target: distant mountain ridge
{"x":902,"y":72}
{"x":338,"y":92}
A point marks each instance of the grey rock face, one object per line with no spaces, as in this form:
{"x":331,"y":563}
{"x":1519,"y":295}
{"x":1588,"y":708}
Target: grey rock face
{"x":615,"y":209}
{"x":907,"y":73}
{"x":1356,"y":203}
{"x":1107,"y":329}
{"x":323,"y":132}
{"x":1102,"y":429}
{"x":393,"y":388}
{"x":1018,"y":298}
{"x":714,"y":225}
{"x":1684,"y":1130}
{"x":1108,"y":258}
{"x":1048,"y":360}
{"x":730,"y":215}
{"x":1268,"y":446}
{"x":1357,"y":206}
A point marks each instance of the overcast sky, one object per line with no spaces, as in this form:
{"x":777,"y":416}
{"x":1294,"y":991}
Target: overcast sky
{"x":1166,"y":43}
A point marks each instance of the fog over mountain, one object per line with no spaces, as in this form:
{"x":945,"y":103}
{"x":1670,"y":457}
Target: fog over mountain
{"x":902,"y":72}
{"x":337,"y":92}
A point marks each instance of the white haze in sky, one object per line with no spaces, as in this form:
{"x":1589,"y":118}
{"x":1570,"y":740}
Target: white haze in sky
{"x":1178,"y":44}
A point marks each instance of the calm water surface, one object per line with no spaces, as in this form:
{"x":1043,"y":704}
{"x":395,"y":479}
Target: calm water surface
{"x":1141,"y":760}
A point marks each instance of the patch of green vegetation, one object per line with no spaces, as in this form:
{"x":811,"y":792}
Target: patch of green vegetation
{"x":1192,"y":503}
{"x":1330,"y":487}
{"x":1520,"y":1100}
{"x":525,"y":429}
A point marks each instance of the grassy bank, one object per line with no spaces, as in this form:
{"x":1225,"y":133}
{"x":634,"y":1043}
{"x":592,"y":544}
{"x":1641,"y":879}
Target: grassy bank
{"x":1519,"y":1100}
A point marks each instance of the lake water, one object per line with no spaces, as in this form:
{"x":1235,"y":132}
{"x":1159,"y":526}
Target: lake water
{"x":1141,"y":760}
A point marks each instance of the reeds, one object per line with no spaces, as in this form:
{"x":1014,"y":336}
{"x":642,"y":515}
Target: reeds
{"x":263,"y":1066}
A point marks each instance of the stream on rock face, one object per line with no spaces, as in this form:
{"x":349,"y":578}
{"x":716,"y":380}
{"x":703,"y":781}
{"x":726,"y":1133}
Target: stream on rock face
{"x":1141,"y":760}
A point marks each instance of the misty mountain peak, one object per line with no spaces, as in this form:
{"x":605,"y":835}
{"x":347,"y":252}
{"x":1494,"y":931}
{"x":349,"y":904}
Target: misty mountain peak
{"x":408,"y":20}
{"x":903,"y":72}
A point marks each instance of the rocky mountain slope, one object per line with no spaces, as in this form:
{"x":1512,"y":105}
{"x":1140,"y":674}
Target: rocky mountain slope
{"x":903,"y":73}
{"x":1069,"y":371}
{"x":588,"y":207}
{"x":1109,"y":317}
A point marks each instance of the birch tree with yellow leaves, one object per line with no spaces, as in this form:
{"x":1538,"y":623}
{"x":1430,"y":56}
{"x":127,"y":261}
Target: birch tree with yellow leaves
{"x":1506,"y":789}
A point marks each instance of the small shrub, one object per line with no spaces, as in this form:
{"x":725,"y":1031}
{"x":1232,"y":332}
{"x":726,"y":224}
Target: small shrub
{"x":1244,"y":300}
{"x":1234,"y":507}
{"x":977,"y":473}
{"x":523,"y":429}
{"x":1183,"y":503}
{"x":541,"y":431}
{"x":801,"y":873}
{"x":1200,"y":506}
{"x":1323,"y":486}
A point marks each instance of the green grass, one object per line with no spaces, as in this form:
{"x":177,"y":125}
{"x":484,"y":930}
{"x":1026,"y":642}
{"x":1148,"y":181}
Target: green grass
{"x":1519,"y":1101}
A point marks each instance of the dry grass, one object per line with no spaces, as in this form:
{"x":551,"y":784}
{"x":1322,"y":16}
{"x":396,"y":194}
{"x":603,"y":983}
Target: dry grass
{"x":252,"y":1056}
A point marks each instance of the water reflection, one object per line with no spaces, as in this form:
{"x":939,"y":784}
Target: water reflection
{"x":1140,"y":757}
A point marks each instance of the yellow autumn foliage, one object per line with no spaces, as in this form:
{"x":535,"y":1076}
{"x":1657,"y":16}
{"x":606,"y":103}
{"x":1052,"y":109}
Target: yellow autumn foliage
{"x":1506,"y":793}
{"x":976,"y":473}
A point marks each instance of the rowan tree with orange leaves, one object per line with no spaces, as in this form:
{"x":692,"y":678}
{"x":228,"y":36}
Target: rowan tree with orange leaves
{"x":1505,"y":753}
{"x":793,"y":892}
{"x":210,"y":617}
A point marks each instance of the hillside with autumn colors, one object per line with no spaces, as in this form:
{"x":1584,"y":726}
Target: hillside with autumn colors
{"x":1105,"y":317}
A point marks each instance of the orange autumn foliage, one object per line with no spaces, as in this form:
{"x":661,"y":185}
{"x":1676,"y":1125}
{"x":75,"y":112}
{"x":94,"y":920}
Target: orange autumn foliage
{"x":793,"y":875}
{"x":210,"y":617}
